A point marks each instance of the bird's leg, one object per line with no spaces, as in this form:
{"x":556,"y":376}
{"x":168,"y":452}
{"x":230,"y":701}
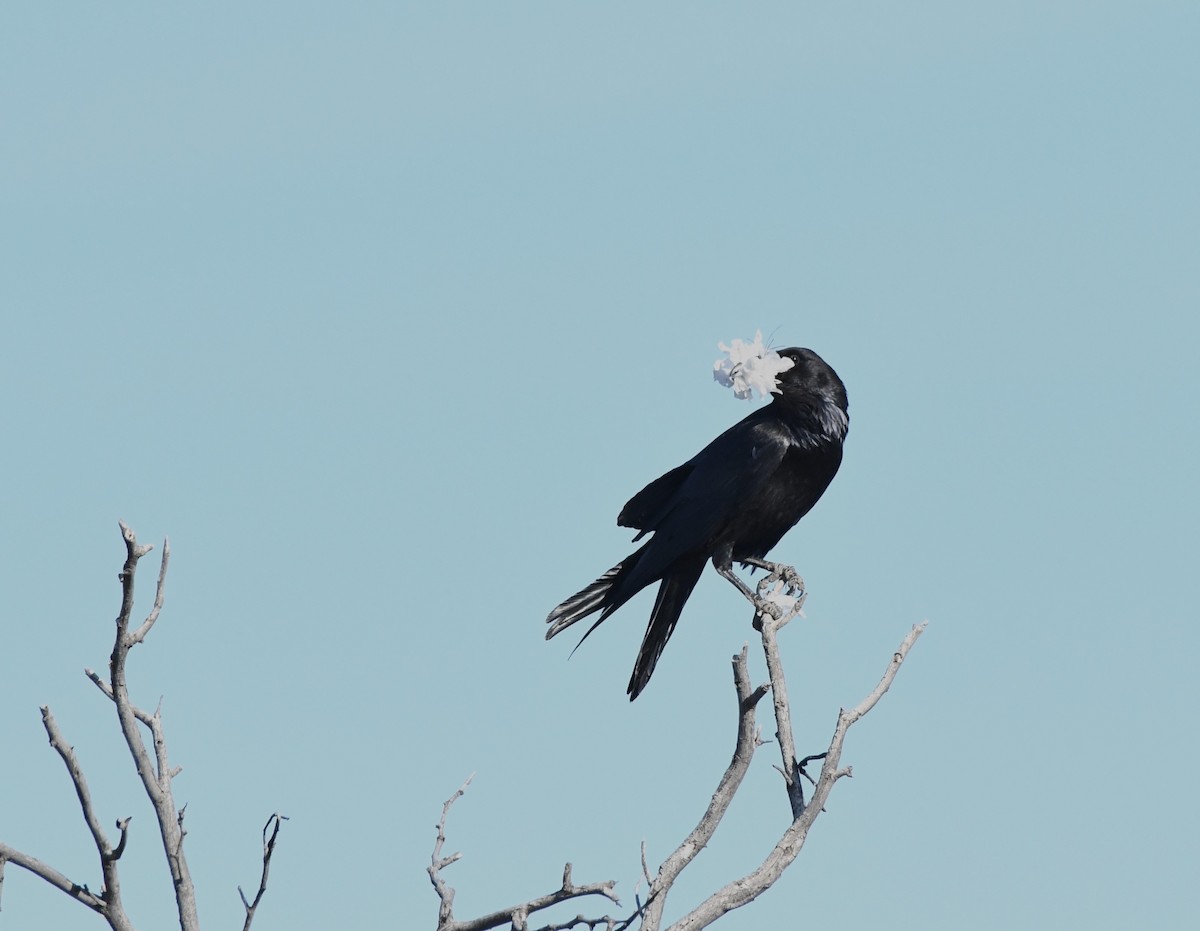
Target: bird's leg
{"x":728,"y":573}
{"x":767,"y":600}
{"x":761,"y":605}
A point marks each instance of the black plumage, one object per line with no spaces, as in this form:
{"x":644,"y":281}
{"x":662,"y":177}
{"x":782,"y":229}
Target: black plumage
{"x":731,"y":502}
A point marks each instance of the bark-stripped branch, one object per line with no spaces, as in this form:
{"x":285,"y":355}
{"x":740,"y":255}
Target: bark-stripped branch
{"x":749,"y":887}
{"x":156,"y":774}
{"x":155,"y":779}
{"x":697,"y":840}
{"x":780,"y":598}
{"x":81,"y":894}
{"x":75,"y":771}
{"x":769,"y":630}
{"x":517,"y":915}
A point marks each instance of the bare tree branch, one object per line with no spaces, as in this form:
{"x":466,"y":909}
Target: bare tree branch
{"x":273,"y":825}
{"x":649,"y":913}
{"x":78,"y":780}
{"x":516,"y":915}
{"x":743,"y":752}
{"x":140,"y":634}
{"x":111,"y":891}
{"x":780,"y":598}
{"x":749,"y":887}
{"x":104,"y":687}
{"x":607,"y":923}
{"x":769,"y":629}
{"x":153,"y":721}
{"x":155,"y":779}
{"x":156,"y":775}
{"x":123,"y":827}
{"x":437,"y":863}
{"x":79,"y":893}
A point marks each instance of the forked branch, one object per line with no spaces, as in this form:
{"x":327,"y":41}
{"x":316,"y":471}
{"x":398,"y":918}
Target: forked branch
{"x":773,"y":610}
{"x":270,"y":834}
{"x":743,"y":751}
{"x":517,"y":916}
{"x":155,"y":772}
{"x":741,"y":891}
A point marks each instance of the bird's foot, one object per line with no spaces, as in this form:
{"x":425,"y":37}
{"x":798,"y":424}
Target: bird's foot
{"x":792,"y":581}
{"x":780,"y":593}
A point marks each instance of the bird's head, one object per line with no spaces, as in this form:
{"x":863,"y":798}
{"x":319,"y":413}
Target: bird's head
{"x":812,"y":383}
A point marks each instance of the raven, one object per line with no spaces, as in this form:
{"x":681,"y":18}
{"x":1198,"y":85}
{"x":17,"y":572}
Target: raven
{"x":731,"y":502}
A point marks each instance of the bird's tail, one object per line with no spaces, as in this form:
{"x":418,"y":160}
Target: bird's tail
{"x":599,"y":596}
{"x":606,"y":594}
{"x":617,"y":586}
{"x":672,"y":594}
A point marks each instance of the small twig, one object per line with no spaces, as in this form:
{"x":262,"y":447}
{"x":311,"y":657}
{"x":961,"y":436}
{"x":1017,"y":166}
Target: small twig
{"x":856,"y":713}
{"x":123,"y":827}
{"x":273,"y":825}
{"x":140,"y":634}
{"x":144,"y":717}
{"x":437,"y":863}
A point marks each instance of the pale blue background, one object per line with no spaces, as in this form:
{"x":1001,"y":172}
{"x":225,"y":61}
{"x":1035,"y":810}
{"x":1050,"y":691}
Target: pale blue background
{"x":382,"y":312}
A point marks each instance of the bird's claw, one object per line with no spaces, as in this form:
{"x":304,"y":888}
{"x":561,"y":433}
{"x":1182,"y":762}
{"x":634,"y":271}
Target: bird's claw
{"x":789,"y":576}
{"x":793,"y":582}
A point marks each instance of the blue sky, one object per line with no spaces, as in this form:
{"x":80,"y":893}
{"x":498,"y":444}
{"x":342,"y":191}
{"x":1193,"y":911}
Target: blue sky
{"x":382,"y":312}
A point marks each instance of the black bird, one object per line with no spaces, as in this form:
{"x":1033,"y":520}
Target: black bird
{"x":731,"y":502}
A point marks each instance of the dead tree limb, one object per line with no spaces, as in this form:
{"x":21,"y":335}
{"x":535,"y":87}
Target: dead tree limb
{"x":270,"y":834}
{"x":516,"y":916}
{"x":156,"y":774}
{"x":769,"y":627}
{"x":741,"y":891}
{"x":697,"y":840}
{"x":773,"y":610}
{"x":81,"y":894}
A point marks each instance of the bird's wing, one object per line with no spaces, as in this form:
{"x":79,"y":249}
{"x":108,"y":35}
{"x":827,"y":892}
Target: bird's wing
{"x":747,"y":451}
{"x":732,"y":469}
{"x":697,"y":501}
{"x":646,"y":508}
